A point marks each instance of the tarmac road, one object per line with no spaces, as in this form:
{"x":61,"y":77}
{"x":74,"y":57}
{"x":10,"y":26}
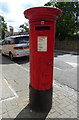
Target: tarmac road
{"x":65,"y":67}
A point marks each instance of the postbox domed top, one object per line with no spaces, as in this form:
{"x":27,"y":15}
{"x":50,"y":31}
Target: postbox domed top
{"x":42,"y":13}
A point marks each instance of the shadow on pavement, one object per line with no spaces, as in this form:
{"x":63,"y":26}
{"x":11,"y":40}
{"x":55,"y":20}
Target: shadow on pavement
{"x":56,"y":54}
{"x":59,"y":52}
{"x":28,"y":114}
{"x":21,"y":60}
{"x":5,"y":60}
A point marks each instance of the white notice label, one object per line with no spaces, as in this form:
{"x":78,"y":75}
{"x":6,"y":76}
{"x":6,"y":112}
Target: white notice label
{"x":42,"y":43}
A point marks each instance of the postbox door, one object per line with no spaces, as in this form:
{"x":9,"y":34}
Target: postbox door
{"x":42,"y":48}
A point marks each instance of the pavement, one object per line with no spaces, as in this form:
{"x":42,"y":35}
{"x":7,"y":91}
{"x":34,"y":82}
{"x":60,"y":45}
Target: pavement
{"x":14,"y":100}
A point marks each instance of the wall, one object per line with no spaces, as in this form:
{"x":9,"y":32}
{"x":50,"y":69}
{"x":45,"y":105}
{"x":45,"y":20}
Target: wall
{"x":67,"y":44}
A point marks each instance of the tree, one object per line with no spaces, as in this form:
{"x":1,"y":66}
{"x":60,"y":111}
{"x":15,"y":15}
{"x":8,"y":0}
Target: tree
{"x":24,"y":27}
{"x":3,"y":27}
{"x":68,"y":23}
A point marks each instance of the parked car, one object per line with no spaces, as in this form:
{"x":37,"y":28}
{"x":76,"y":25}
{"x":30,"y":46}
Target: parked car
{"x":16,"y":46}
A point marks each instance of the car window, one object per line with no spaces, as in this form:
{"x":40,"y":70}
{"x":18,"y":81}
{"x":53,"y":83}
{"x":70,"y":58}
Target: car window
{"x":20,"y":40}
{"x":7,"y":42}
{"x":7,"y":39}
{"x":12,"y":41}
{"x":3,"y":42}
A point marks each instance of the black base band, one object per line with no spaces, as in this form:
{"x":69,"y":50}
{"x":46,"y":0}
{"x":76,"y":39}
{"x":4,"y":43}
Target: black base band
{"x":40,"y":100}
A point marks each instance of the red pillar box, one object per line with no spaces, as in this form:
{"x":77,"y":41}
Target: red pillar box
{"x":42,"y":35}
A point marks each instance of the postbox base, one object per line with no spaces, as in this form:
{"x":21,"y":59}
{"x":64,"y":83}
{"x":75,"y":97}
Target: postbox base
{"x":40,"y":100}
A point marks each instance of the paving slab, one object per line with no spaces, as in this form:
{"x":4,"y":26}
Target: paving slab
{"x":6,"y":87}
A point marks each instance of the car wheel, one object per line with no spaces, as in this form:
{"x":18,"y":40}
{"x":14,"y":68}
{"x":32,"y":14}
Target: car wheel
{"x":11,"y":56}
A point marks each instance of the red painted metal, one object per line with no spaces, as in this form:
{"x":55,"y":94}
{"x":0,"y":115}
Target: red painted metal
{"x":42,"y":25}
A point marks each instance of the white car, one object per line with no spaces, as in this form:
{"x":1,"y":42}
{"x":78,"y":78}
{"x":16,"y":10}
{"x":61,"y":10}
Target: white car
{"x":16,"y":46}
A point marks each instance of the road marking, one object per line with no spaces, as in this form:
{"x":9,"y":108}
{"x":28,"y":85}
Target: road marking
{"x":10,"y":98}
{"x":73,"y":64}
{"x":58,"y":68}
{"x":66,"y":88}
